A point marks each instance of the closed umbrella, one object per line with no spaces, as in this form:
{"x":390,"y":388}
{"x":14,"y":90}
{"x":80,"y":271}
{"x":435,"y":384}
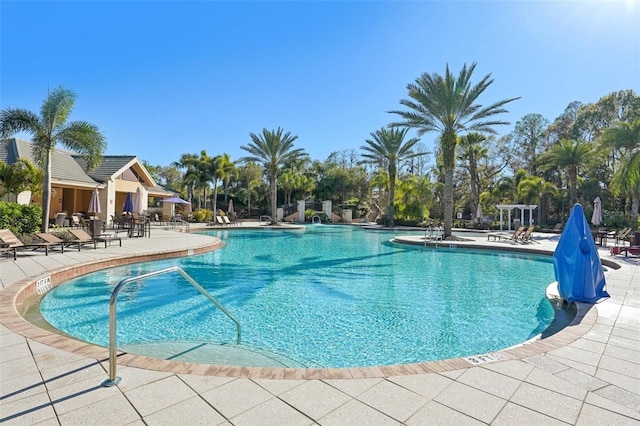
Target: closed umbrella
{"x":94,"y":204}
{"x":139,"y":207}
{"x":230,"y":209}
{"x":479,"y":214}
{"x":596,"y":217}
{"x":128,"y":204}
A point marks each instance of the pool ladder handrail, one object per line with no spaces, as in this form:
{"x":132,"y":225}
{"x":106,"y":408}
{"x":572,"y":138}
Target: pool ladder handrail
{"x":264,"y":216}
{"x":113,"y":380}
{"x":436,"y":231}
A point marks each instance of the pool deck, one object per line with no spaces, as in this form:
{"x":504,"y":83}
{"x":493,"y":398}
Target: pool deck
{"x":588,"y":374}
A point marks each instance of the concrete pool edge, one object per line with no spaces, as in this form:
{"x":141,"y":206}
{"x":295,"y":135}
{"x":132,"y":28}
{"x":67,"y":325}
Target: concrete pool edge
{"x":17,"y":295}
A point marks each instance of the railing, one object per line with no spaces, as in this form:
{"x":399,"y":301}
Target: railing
{"x":433,"y":234}
{"x":113,"y":379}
{"x":265,"y":217}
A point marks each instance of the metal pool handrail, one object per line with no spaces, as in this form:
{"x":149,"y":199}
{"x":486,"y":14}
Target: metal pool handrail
{"x":113,"y":379}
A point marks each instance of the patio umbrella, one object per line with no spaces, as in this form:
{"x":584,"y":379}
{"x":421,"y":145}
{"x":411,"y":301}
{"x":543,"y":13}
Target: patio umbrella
{"x":128,"y":204}
{"x":479,"y":214}
{"x":230,"y":209}
{"x":94,"y":204}
{"x":596,"y":217}
{"x":175,"y":200}
{"x":139,"y":207}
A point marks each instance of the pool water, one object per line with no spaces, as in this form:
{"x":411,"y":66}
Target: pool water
{"x":326,"y":296}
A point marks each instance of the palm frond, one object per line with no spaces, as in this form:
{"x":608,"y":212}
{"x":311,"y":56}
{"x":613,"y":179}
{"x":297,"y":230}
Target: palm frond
{"x":15,"y":120}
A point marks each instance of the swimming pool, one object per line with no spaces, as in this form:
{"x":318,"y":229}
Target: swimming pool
{"x":328,"y":296}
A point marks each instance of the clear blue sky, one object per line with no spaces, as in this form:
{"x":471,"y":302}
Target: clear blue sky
{"x":163,"y":78}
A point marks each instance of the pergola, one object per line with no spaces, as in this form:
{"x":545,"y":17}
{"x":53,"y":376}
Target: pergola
{"x":522,"y":207}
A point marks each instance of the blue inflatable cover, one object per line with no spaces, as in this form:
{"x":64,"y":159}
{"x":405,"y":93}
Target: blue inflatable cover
{"x":576,"y":262}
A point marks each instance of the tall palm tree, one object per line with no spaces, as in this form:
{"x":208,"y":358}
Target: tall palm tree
{"x":625,"y":138}
{"x":189,"y":178}
{"x":196,"y":176}
{"x":447,"y":105}
{"x":568,"y":155}
{"x":220,"y":168}
{"x":227,"y":170}
{"x":626,"y":180}
{"x":272,"y":148}
{"x":388,"y":147}
{"x":473,"y":149}
{"x":50,"y":128}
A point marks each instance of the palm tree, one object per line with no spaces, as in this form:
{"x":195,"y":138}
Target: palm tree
{"x":50,"y":128}
{"x":219,"y":168}
{"x":189,"y":179}
{"x":196,"y":177}
{"x":273,"y":149}
{"x":21,"y":176}
{"x":625,"y":138}
{"x":389,"y":148}
{"x":568,"y":155}
{"x":532,"y":189}
{"x":473,"y":150}
{"x":626,"y":180}
{"x":446,"y":104}
{"x":249,"y":175}
{"x":227,"y":170}
{"x":289,"y":181}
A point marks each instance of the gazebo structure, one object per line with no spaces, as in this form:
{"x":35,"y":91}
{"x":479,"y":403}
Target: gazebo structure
{"x":509,"y":207}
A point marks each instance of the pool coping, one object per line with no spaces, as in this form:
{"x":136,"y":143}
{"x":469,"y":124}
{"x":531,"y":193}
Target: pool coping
{"x":23,"y":292}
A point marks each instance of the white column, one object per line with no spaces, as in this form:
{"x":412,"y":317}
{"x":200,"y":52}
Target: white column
{"x":501,"y":211}
{"x":301,"y":207}
{"x":509,"y":219}
{"x":326,"y":208}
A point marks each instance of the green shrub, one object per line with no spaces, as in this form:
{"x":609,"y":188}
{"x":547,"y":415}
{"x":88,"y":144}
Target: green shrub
{"x":20,"y":219}
{"x":309,"y":213}
{"x":202,"y":215}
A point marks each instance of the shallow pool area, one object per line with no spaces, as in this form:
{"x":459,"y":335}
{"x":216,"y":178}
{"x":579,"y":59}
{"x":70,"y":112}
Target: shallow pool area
{"x":326,"y":296}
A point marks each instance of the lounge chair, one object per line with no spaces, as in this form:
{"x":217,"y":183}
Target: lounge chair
{"x":513,"y":237}
{"x":7,"y":248}
{"x":527,"y":236}
{"x":75,"y":221}
{"x":81,"y":238}
{"x":620,"y":236}
{"x":86,"y":238}
{"x":9,"y":240}
{"x":50,"y":240}
{"x":226,"y":220}
{"x":60,"y":219}
{"x":220,"y":220}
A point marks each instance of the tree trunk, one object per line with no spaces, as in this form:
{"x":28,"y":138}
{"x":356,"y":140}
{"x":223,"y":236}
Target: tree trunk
{"x":274,"y":199}
{"x":573,"y":184}
{"x":215,"y":200}
{"x":448,"y":143}
{"x":46,"y":194}
{"x":392,"y":195}
{"x":249,"y":200}
{"x":448,"y":201}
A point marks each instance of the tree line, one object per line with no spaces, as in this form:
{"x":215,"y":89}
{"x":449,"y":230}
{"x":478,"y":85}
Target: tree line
{"x":589,"y":151}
